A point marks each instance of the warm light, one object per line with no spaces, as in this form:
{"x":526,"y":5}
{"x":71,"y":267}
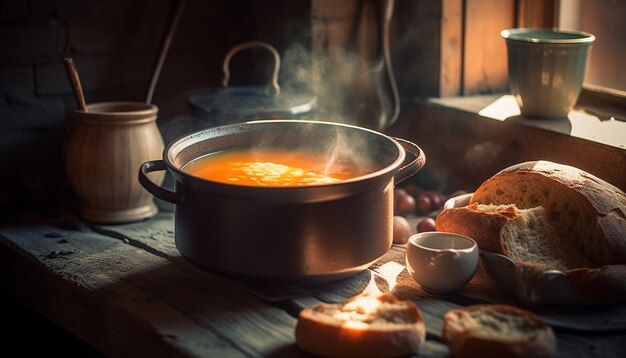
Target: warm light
{"x":578,"y":123}
{"x":363,"y":305}
{"x":569,"y":171}
{"x":372,"y":286}
{"x":358,"y":313}
{"x":343,"y":316}
{"x":502,"y":108}
{"x":356,"y":325}
{"x":359,"y":310}
{"x":390,"y":272}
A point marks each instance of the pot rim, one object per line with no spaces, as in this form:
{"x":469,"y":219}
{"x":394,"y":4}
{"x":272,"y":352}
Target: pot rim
{"x":547,"y":35}
{"x":388,"y":169}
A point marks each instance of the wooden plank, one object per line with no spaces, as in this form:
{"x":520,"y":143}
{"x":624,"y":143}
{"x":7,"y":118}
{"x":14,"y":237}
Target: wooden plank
{"x":115,"y":319}
{"x":415,"y":42}
{"x":188,"y":313}
{"x":485,"y":61}
{"x":146,"y":303}
{"x":155,"y":236}
{"x":476,"y":147}
{"x":536,"y":13}
{"x":388,"y":274}
{"x":141,"y":302}
{"x":603,"y":102}
{"x":450,"y":77}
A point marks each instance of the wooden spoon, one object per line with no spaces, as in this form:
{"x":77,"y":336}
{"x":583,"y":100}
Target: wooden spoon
{"x":72,"y":73}
{"x":165,"y":46}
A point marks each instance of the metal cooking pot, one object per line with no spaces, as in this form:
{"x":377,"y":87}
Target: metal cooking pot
{"x":309,"y":233}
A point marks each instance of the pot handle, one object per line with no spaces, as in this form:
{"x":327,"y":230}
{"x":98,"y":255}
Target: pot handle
{"x":408,"y":170}
{"x":159,"y":192}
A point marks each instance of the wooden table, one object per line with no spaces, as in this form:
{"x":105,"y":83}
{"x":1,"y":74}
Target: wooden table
{"x":126,"y":290}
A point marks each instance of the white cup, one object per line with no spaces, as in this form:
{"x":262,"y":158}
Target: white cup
{"x":441,"y":262}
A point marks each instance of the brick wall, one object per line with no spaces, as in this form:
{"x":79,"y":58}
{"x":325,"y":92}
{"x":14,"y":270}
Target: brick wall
{"x":115,"y":44}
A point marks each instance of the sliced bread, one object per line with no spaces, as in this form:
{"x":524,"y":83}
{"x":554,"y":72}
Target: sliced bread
{"x":362,"y":326}
{"x":493,"y":330}
{"x":525,"y":235}
{"x":588,"y":211}
{"x":548,"y":216}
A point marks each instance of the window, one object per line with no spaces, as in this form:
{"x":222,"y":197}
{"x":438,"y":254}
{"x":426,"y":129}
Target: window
{"x":482,"y":63}
{"x":606,"y":19}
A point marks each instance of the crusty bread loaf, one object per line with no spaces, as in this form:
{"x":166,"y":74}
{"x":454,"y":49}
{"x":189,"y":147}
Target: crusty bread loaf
{"x":491,"y":330}
{"x":547,"y":216}
{"x":363,"y":326}
{"x":587,"y":210}
{"x":525,"y":235}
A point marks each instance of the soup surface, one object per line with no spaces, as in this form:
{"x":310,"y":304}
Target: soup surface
{"x":270,"y":167}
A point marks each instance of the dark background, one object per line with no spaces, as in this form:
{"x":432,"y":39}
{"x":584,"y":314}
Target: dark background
{"x":115,"y":44}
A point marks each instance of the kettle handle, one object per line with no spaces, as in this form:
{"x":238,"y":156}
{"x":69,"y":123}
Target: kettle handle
{"x":159,"y":192}
{"x":251,"y":44}
{"x":409,"y":169}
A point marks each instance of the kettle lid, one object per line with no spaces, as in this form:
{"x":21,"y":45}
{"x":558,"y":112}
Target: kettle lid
{"x":252,"y":100}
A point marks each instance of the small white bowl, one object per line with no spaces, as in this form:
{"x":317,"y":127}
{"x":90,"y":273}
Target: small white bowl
{"x":441,"y":262}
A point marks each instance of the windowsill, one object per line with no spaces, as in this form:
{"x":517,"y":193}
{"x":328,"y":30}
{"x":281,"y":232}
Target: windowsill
{"x":468,"y":139}
{"x":578,"y":124}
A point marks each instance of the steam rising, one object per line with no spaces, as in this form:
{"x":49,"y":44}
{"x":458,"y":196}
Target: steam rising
{"x":346,"y":89}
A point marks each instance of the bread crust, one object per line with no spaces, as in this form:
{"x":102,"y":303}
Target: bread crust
{"x":605,"y":232}
{"x":604,"y":201}
{"x":483,"y":227}
{"x":469,"y":342}
{"x":602,"y":283}
{"x":326,"y":337}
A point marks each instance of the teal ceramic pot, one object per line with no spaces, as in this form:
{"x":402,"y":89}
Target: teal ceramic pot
{"x":546,"y":69}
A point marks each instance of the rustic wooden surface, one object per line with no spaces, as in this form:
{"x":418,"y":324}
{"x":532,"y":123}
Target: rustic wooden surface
{"x":126,"y":290}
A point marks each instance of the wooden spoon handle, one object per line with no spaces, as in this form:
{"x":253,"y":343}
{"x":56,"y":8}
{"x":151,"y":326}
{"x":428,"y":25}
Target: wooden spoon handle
{"x":165,"y":46}
{"x":72,"y":72}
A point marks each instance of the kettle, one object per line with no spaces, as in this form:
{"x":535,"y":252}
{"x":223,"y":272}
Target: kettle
{"x":229,"y":104}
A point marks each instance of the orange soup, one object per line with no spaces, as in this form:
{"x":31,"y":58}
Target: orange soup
{"x":269,"y":167}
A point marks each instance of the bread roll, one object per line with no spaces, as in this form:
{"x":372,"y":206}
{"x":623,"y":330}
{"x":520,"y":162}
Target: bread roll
{"x":363,"y":326}
{"x":491,"y":330}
